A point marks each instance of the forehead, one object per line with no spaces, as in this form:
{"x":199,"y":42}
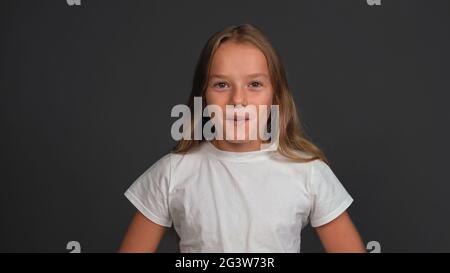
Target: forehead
{"x":234,"y":58}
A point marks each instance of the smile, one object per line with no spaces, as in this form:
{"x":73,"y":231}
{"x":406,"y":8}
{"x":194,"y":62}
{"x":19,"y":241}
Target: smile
{"x":238,"y":118}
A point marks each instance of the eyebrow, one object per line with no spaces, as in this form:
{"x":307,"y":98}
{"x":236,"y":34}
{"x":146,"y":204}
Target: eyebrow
{"x":253,"y":75}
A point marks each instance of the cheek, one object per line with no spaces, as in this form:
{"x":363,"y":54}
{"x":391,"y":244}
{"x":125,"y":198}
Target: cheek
{"x":268,"y":100}
{"x":269,"y":96}
{"x":263,"y":98}
{"x":216,"y":98}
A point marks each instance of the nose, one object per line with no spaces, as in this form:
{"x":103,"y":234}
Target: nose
{"x":239,"y":96}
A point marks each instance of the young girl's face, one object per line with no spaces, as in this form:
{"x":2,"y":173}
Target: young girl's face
{"x":239,"y":75}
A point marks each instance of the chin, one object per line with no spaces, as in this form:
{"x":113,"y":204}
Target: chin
{"x":238,"y":141}
{"x":240,"y":137}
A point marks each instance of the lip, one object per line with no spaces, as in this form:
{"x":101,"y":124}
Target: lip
{"x":236,"y":118}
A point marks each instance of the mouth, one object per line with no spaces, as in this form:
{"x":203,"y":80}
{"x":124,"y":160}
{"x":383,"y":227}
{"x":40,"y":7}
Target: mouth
{"x":236,"y":118}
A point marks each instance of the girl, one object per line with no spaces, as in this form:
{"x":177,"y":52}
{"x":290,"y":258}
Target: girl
{"x":226,"y":195}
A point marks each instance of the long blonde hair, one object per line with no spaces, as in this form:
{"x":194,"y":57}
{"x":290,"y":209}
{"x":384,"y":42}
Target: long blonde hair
{"x":292,"y":139}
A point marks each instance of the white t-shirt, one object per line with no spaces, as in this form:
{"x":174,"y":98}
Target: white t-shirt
{"x":220,"y":201}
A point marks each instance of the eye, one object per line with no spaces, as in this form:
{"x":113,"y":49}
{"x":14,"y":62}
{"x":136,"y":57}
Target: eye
{"x":220,"y":85}
{"x":256,"y":84}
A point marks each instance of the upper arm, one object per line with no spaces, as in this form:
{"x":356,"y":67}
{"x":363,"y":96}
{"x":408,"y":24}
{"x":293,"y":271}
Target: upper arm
{"x":340,"y":235}
{"x":150,"y":195}
{"x":142,"y":235}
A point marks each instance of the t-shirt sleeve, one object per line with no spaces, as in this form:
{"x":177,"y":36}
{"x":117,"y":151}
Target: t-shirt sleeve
{"x":329,"y":197}
{"x":150,"y":192}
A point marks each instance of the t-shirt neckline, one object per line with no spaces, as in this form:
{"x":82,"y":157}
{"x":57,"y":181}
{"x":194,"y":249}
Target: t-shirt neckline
{"x":264,"y":153}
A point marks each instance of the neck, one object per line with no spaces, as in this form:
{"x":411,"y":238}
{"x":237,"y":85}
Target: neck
{"x":253,"y":145}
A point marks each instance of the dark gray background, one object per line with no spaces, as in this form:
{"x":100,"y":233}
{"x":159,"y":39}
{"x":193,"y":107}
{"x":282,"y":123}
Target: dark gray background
{"x":86,"y":94}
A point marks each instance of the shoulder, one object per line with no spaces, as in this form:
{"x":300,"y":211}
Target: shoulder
{"x":163,"y":164}
{"x":171,"y":160}
{"x":317,"y":170}
{"x":190,"y":157}
{"x":321,"y":177}
{"x":158,"y":172}
{"x":311,"y":172}
{"x":318,"y":165}
{"x":304,"y":162}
